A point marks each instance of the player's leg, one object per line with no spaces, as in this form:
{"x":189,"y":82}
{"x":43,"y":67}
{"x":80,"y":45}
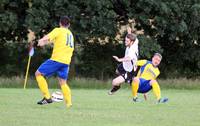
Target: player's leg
{"x":157,"y":92}
{"x":62,"y":78}
{"x":42,"y":84}
{"x":66,"y":92}
{"x":156,"y":89}
{"x":45,"y":69}
{"x":143,"y":86}
{"x":116,"y":83}
{"x":145,"y":96}
{"x":135,"y":87}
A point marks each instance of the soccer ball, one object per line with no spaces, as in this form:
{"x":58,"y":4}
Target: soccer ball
{"x":57,"y":96}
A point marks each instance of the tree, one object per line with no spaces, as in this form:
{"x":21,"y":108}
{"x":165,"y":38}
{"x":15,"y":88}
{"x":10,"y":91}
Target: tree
{"x":174,"y":25}
{"x":167,"y":26}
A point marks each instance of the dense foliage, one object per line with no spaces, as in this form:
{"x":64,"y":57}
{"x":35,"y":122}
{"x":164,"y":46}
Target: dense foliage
{"x":171,"y":27}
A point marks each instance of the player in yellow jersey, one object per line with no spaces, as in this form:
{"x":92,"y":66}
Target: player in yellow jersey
{"x":146,"y":78}
{"x":63,"y":47}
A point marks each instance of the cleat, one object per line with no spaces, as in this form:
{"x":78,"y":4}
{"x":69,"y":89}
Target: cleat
{"x":114,"y":89}
{"x":110,"y":93}
{"x":163,"y":100}
{"x":69,"y":106}
{"x":44,"y":101}
{"x":136,"y":100}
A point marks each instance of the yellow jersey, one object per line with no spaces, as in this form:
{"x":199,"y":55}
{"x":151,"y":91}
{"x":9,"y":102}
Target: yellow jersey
{"x":147,"y":70}
{"x":63,"y":41}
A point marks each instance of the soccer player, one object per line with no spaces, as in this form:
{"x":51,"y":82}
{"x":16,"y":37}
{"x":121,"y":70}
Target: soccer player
{"x":146,"y":78}
{"x":63,"y":42}
{"x":126,"y":69}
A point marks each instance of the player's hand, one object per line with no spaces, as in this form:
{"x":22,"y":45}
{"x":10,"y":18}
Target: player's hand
{"x":43,"y":41}
{"x":116,"y":58}
{"x":40,"y":43}
{"x":129,"y":30}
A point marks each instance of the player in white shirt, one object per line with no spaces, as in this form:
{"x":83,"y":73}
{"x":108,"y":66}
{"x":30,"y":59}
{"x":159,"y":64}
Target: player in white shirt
{"x":126,"y":69}
{"x":131,"y":52}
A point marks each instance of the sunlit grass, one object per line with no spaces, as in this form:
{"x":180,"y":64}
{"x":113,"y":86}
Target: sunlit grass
{"x":92,"y":107}
{"x":91,"y":83}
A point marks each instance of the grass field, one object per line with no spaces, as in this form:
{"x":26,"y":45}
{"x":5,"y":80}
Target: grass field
{"x":95,"y":108}
{"x":92,"y":83}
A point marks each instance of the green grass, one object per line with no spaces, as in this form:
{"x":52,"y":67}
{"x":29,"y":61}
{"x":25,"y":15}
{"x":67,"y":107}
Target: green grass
{"x":18,"y":82}
{"x":95,"y":108}
{"x":89,"y":83}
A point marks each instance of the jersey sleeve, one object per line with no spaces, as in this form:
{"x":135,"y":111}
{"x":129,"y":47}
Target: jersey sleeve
{"x":52,"y":35}
{"x":141,"y":62}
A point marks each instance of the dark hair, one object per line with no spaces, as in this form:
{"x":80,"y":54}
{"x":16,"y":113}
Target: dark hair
{"x":132,"y":37}
{"x":64,"y":21}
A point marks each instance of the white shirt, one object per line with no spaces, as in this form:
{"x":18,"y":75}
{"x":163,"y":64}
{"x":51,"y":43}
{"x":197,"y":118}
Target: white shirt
{"x":133,"y":53}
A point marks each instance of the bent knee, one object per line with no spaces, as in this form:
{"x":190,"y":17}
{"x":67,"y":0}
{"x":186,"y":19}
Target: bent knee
{"x":136,"y":79}
{"x":62,"y":81}
{"x":153,"y":81}
{"x":37,"y":73}
{"x":115,"y":83}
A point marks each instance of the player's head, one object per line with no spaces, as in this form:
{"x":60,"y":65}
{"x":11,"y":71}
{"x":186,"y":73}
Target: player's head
{"x":64,"y":21}
{"x":156,"y":59}
{"x":130,"y":39}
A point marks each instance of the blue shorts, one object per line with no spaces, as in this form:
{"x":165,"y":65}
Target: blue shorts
{"x":144,"y":86}
{"x":50,"y":67}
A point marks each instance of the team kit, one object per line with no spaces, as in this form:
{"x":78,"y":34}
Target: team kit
{"x":141,"y":74}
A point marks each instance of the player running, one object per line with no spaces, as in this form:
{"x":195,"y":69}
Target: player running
{"x":59,"y":62}
{"x":126,"y":69}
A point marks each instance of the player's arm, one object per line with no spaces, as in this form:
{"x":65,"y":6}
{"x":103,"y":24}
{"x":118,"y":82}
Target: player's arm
{"x":141,"y":62}
{"x":48,"y":38}
{"x":124,"y":59}
{"x":129,"y":30}
{"x":43,"y":41}
{"x":132,"y":56}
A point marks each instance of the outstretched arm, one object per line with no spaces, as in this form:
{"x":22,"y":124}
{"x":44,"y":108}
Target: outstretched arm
{"x":43,"y":41}
{"x":129,"y":30}
{"x":122,"y":59}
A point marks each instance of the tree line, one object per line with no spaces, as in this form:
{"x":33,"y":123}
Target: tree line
{"x":171,"y":27}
